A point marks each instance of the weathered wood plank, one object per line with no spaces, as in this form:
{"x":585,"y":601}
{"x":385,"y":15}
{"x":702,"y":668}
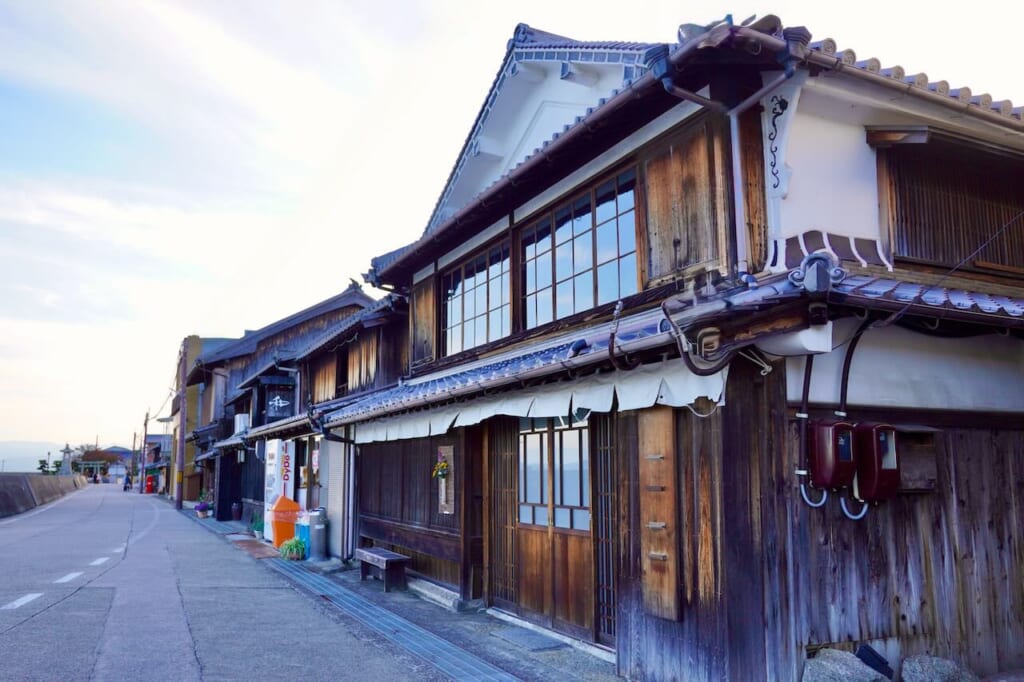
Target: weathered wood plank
{"x":658,"y":493}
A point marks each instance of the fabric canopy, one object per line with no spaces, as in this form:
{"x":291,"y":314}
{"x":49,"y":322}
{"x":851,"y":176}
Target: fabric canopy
{"x":664,"y":383}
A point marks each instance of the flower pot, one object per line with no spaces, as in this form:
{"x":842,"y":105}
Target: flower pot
{"x":202,"y":514}
{"x":236,"y":511}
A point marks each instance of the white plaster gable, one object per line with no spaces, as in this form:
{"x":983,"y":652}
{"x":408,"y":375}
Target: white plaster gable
{"x":545,"y":83}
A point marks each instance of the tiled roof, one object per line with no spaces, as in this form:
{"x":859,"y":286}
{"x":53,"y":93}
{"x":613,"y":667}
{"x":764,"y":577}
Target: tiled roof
{"x":583,"y":348}
{"x":353,"y":295}
{"x":920,"y":81}
{"x":932,"y":301}
{"x":347,"y":324}
{"x":824,"y":53}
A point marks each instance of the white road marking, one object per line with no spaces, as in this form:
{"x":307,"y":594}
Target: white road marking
{"x":21,"y":602}
{"x":118,"y":550}
{"x":101,"y":560}
{"x":68,"y":578}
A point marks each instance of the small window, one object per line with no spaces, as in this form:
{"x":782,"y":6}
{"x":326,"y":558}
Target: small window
{"x":561,"y":448}
{"x":946,"y":200}
{"x":476,"y":300}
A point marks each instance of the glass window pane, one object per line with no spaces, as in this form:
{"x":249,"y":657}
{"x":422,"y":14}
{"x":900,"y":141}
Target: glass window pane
{"x":529,"y":276}
{"x":528,"y":245}
{"x":627,"y":276}
{"x":506,"y":292}
{"x":627,"y":233}
{"x":506,"y":320}
{"x":584,"y":290}
{"x":582,"y":220}
{"x":455,"y":339}
{"x":570,"y":468}
{"x":563,"y":305}
{"x":544,"y":270}
{"x":494,"y":327}
{"x":481,"y":330}
{"x":583,"y":253}
{"x":581,"y":519}
{"x":494,"y":268}
{"x":608,"y":283}
{"x":468,"y":340}
{"x":562,"y":517}
{"x":468,"y":307}
{"x":540,"y":516}
{"x":481,"y":298}
{"x":605,"y":202}
{"x":531,"y":311}
{"x":563,"y":224}
{"x":563,"y":261}
{"x":534,"y":467}
{"x":627,"y":183}
{"x":545,"y":310}
{"x":607,"y":242}
{"x":494,"y":293}
{"x":543,"y":236}
{"x":525,"y":513}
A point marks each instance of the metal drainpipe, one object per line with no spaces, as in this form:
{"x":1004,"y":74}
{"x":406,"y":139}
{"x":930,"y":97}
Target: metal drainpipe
{"x":659,"y":63}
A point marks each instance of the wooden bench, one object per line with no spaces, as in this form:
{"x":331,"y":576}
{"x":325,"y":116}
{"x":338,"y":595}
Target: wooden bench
{"x":386,"y":565}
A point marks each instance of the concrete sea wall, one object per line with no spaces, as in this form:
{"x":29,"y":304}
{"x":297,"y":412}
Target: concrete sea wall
{"x":21,"y":492}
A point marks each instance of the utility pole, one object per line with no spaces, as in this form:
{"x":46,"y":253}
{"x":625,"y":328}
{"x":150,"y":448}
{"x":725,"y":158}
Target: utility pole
{"x":179,"y":473}
{"x":142,"y":458}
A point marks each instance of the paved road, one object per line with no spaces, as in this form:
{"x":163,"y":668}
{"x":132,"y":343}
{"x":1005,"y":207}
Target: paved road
{"x":109,"y":585}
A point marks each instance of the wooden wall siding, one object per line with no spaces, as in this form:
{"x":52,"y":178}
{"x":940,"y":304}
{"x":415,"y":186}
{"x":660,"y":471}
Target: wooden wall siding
{"x":503,"y":459}
{"x":652,"y":648}
{"x":395,"y":483}
{"x":362,"y":361}
{"x":658,"y":493}
{"x":296,"y":337}
{"x":324,"y":371}
{"x":684,"y":188}
{"x":942,"y":214}
{"x":755,"y":203}
{"x":442,"y":570}
{"x":422,"y":322}
{"x":393,"y":352}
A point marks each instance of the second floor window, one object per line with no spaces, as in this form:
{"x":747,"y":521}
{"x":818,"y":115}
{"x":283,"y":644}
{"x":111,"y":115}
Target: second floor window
{"x":582,"y":254}
{"x":477,"y":300}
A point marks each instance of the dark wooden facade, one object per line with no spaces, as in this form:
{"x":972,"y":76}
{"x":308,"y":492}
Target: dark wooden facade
{"x":701,"y":561}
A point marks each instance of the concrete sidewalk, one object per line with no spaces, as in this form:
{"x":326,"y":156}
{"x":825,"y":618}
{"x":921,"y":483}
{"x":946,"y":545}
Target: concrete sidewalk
{"x":468,"y":645}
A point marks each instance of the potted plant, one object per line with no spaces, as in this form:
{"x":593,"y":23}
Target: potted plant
{"x":293,"y":549}
{"x":203,"y":509}
{"x":256,"y":526}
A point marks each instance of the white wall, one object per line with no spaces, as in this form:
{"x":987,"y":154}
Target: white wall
{"x":894,"y":367}
{"x":833,"y":186}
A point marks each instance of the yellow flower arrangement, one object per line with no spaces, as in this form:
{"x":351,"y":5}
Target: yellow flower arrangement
{"x":440,"y":468}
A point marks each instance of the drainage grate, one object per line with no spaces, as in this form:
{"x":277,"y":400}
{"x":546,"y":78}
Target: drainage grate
{"x":211,"y":524}
{"x":442,"y":654}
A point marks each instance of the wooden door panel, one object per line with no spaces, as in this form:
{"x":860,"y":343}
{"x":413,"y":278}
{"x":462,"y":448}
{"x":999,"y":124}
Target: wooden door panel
{"x":574,"y":582}
{"x":534,"y":563}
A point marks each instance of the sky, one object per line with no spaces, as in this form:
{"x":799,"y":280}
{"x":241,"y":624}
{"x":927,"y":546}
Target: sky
{"x":183,"y":167}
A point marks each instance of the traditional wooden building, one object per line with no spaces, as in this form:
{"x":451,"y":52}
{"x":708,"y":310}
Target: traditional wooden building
{"x":670,"y":297}
{"x":249,"y":390}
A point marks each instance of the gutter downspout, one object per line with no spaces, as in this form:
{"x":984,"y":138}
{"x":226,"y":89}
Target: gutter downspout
{"x":661,"y":66}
